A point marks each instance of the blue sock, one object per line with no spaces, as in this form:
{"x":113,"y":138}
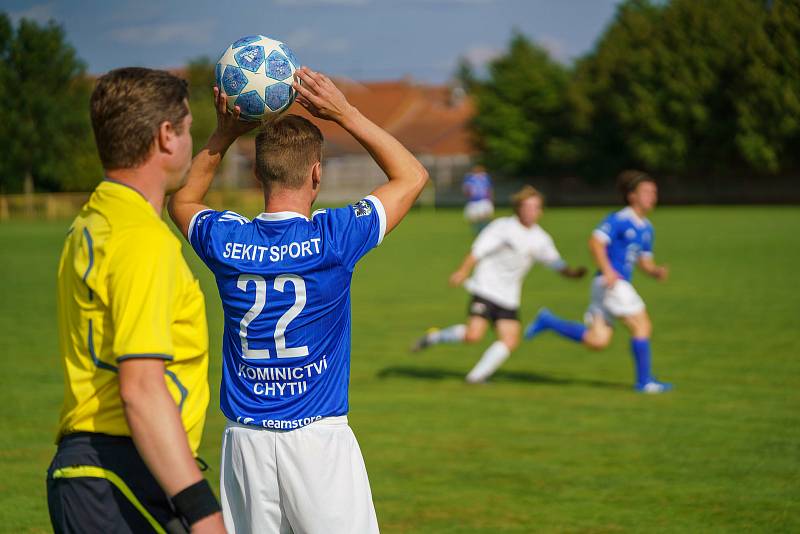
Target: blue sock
{"x":569,"y":329}
{"x":640,"y":348}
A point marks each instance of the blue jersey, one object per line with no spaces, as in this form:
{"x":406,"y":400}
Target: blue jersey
{"x":284,"y":281}
{"x":627,"y":238}
{"x":477,"y":186}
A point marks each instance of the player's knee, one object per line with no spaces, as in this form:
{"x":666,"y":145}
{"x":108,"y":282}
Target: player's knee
{"x":595,"y":344}
{"x":598,"y":339}
{"x":643,"y":328}
{"x":511,"y":343}
{"x":472,"y":337}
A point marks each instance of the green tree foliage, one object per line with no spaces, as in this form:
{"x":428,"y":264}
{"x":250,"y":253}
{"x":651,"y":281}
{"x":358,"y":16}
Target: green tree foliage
{"x":518,"y":108}
{"x":200,"y":75}
{"x":46,"y":132}
{"x":684,"y":87}
{"x":465,"y":74}
{"x":767,"y":92}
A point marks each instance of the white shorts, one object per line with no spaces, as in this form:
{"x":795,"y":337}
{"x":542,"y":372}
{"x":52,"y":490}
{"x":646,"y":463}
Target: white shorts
{"x":479,"y":210}
{"x":309,"y":480}
{"x":622,"y":300}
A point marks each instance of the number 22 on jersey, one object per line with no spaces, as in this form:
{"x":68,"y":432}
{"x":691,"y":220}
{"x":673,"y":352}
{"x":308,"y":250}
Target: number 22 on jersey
{"x":279,"y":284}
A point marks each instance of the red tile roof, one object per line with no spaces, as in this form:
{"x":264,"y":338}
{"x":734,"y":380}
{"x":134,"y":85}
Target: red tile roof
{"x":424,"y":118}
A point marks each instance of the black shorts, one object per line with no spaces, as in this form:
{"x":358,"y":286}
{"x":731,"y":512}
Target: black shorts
{"x":487,"y":309}
{"x":99,"y":484}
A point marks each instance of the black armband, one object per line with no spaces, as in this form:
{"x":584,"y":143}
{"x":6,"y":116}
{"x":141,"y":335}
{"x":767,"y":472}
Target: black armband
{"x":195,"y":502}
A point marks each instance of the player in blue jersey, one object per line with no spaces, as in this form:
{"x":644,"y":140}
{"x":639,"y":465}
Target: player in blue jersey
{"x":477,"y":188}
{"x":622,"y":241}
{"x":290,"y":462}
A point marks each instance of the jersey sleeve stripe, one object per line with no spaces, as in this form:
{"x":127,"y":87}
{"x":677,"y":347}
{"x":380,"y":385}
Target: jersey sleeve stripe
{"x":381,"y":216}
{"x":601,"y":236}
{"x":191,"y":223}
{"x":153,"y":355}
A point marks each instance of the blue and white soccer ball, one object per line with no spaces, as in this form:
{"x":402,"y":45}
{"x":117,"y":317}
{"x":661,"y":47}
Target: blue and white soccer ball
{"x":256,"y":73}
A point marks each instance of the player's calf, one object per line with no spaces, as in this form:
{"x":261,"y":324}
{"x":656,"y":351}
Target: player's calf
{"x":434,"y":336}
{"x":598,"y":335}
{"x":546,"y":320}
{"x":491,"y":360}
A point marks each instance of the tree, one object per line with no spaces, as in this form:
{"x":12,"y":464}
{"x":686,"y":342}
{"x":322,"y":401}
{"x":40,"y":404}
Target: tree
{"x":766,"y":96}
{"x":518,"y":108}
{"x":698,"y":89}
{"x":465,"y":75}
{"x":46,"y":132}
{"x":692,"y":88}
{"x":200,"y":75}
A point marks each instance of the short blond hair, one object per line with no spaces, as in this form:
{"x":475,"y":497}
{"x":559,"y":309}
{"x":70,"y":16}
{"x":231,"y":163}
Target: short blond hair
{"x":527,"y":191}
{"x":286,"y":149}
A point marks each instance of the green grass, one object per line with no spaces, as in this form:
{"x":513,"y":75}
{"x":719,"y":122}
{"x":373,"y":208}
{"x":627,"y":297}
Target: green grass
{"x":557,"y":442}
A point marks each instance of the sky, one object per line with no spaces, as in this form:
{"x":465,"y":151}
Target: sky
{"x":359,"y":39}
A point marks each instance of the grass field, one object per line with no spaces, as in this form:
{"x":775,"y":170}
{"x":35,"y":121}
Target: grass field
{"x":557,"y":442}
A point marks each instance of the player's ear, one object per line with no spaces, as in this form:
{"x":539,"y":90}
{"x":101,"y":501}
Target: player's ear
{"x":316,"y":175}
{"x":165,"y":138}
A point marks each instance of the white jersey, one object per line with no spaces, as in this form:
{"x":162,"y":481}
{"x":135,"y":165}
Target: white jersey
{"x":506,"y":250}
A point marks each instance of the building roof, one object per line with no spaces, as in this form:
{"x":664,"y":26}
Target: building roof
{"x":431,"y":120}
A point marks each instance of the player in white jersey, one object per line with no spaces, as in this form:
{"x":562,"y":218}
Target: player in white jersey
{"x":290,"y":462}
{"x":500,"y":257}
{"x":622,"y":241}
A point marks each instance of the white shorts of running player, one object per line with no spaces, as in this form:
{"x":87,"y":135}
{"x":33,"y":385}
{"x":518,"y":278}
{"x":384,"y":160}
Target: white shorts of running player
{"x":622,"y":300}
{"x":308,"y":480}
{"x":479,"y":210}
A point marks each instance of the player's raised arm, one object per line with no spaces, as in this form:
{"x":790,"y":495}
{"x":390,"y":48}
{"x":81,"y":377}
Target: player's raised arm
{"x":407,"y":177}
{"x":188,"y":200}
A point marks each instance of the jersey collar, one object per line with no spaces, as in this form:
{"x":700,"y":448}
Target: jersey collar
{"x":281,"y":216}
{"x":628,"y":213}
{"x":126,"y":191}
{"x":524,"y":228}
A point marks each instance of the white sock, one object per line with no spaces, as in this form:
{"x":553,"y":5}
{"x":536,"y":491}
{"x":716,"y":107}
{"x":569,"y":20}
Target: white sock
{"x":491,"y":360}
{"x":451,"y":334}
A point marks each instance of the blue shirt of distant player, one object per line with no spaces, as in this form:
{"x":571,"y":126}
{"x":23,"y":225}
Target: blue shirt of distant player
{"x":477,"y":186}
{"x":284,"y":281}
{"x":627,"y":237}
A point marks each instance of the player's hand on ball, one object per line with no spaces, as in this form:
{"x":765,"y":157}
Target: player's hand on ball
{"x":229,"y":123}
{"x":319,"y":95}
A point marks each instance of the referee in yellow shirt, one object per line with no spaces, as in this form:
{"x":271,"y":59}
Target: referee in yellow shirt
{"x":132,"y":329}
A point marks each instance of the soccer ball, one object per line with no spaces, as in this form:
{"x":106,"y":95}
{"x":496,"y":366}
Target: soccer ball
{"x":256,"y":73}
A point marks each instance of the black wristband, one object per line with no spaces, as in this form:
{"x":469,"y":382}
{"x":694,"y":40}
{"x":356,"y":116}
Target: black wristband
{"x":195,"y":502}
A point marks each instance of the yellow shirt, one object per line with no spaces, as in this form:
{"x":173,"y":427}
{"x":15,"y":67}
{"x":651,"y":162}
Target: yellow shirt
{"x":125,"y":291}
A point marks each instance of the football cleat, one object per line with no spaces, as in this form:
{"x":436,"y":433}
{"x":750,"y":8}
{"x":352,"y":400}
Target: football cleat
{"x":423,"y":342}
{"x":653,"y":387}
{"x":536,"y":326}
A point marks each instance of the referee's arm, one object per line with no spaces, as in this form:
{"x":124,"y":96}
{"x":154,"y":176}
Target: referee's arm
{"x":141,"y":294}
{"x":158,"y":433}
